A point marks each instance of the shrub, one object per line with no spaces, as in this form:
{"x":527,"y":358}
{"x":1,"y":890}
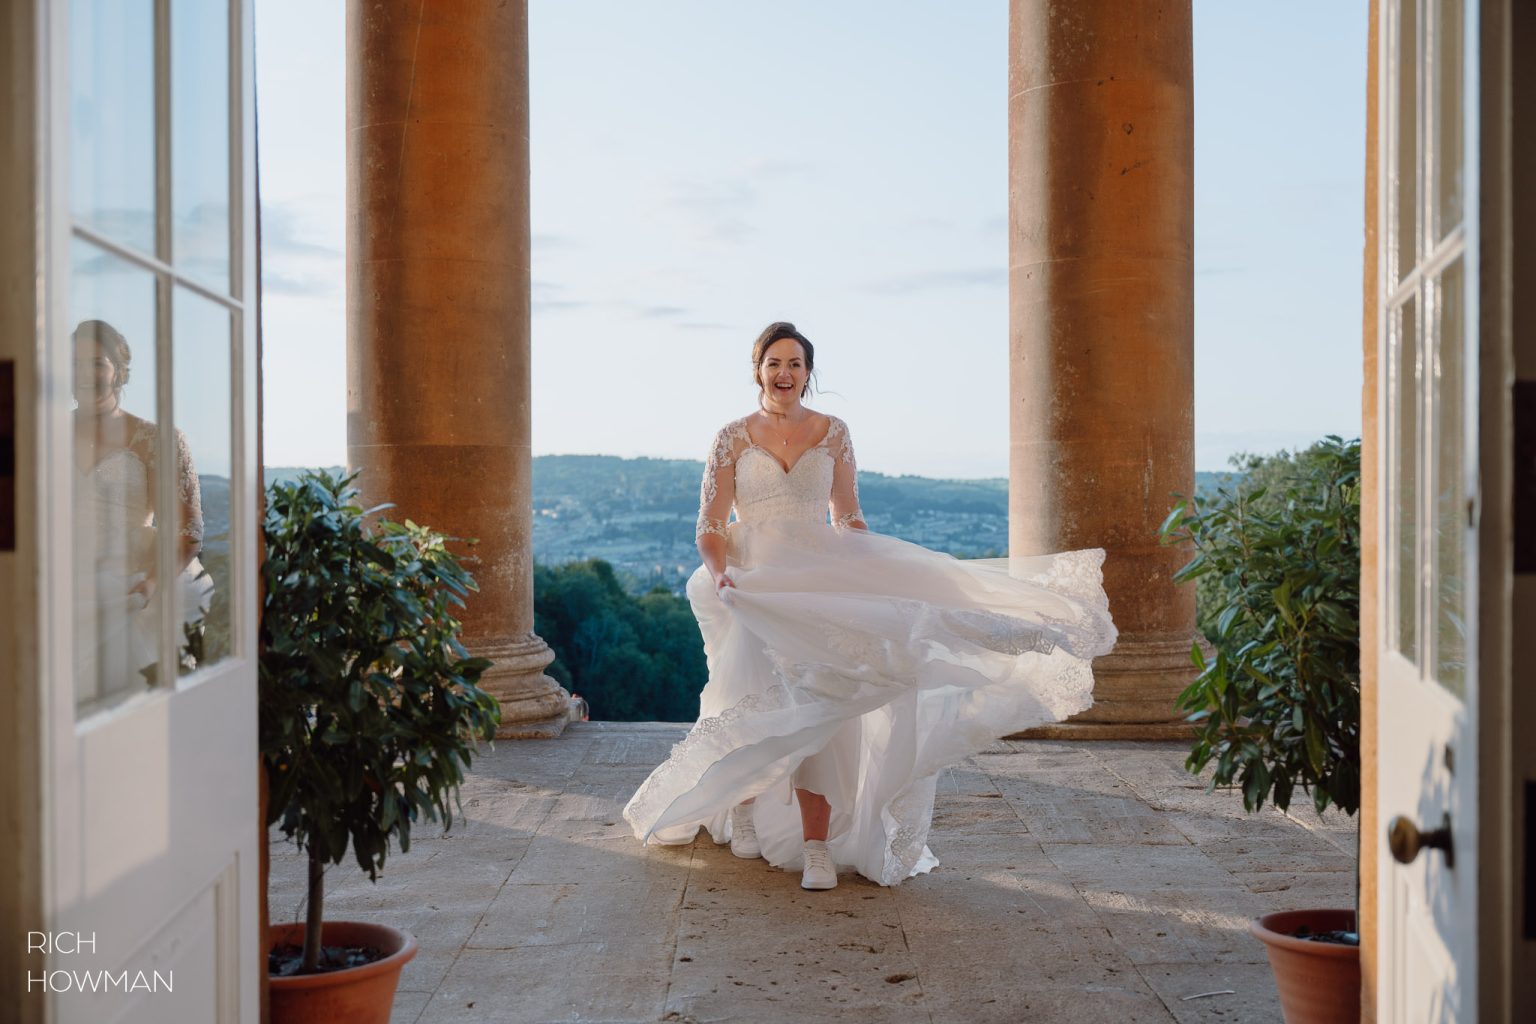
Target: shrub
{"x":369,"y":707}
{"x":1277,"y":558}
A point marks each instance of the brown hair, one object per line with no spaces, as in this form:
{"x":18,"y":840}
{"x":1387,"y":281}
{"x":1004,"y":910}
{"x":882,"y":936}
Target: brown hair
{"x":778,"y":331}
{"x":113,"y":345}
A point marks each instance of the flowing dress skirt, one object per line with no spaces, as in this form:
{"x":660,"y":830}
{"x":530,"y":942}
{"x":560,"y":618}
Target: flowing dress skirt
{"x":858,"y":665}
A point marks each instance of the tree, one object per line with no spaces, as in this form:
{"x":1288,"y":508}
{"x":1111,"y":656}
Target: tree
{"x":632,"y":659}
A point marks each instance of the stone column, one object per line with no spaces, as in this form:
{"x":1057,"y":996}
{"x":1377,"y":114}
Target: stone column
{"x":1101,"y":324}
{"x":438,"y":388}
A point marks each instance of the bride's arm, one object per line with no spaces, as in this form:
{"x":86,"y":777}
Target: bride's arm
{"x":190,"y":493}
{"x":844,"y":502}
{"x":717,"y":491}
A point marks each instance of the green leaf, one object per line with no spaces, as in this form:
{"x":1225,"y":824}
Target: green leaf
{"x":1284,"y":786}
{"x":1282,"y":598}
{"x":1256,"y":787}
{"x":1315,"y":751}
{"x":1173,"y":517}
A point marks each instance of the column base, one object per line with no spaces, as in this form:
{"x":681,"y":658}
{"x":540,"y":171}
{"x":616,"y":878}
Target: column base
{"x":1135,"y":688}
{"x":533,"y":706}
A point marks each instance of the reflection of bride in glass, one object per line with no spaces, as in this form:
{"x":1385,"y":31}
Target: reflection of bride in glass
{"x":115,"y":460}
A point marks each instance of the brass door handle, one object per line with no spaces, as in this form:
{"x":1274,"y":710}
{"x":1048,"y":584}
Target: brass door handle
{"x":1405,"y":840}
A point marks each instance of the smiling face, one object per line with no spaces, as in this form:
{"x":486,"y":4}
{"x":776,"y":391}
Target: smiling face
{"x":783,"y":373}
{"x":95,"y":375}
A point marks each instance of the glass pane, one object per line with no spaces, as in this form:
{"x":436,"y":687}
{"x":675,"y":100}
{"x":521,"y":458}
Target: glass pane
{"x":200,"y":140}
{"x":1405,"y":188}
{"x":1448,"y":118}
{"x":1450,"y":491}
{"x":112,"y":119}
{"x":201,"y":334}
{"x":1404,"y":411}
{"x":117,"y":621}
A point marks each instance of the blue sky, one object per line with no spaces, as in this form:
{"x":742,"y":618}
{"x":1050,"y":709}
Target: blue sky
{"x":701,"y":168}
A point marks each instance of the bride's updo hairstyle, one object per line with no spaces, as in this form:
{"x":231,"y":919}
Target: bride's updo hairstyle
{"x":112,"y":344}
{"x":778,"y":331}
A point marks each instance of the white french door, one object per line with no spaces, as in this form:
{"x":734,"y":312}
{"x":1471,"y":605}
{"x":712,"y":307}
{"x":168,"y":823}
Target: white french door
{"x":147,"y":452}
{"x":1428,"y":722}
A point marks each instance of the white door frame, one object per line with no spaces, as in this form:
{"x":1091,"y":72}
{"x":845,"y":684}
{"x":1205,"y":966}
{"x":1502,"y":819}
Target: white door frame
{"x":1466,"y":916}
{"x":196,"y":815}
{"x":22,"y":744}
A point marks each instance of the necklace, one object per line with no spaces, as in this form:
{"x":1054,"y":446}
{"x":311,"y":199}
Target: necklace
{"x":795,"y":430}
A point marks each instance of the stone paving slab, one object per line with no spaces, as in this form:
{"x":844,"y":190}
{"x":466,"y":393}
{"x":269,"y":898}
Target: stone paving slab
{"x":1079,"y":882}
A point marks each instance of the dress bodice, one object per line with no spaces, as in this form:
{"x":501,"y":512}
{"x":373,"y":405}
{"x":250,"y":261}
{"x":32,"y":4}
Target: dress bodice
{"x":119,"y":486}
{"x":118,"y":506}
{"x":765,"y":491}
{"x":743,"y":476}
{"x":116,"y":503}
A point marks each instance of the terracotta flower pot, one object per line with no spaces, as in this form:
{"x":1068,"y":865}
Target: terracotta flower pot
{"x":1319,"y":982}
{"x":353,"y":995}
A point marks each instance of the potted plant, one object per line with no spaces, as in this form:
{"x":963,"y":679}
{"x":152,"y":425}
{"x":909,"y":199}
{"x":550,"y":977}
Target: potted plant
{"x":369,"y":713}
{"x":1277,"y":560}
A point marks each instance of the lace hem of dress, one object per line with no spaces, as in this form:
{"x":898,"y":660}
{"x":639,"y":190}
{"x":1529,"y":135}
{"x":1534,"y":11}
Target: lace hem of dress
{"x":908,"y":811}
{"x":912,"y":811}
{"x":644,"y":808}
{"x":1076,"y":574}
{"x":1079,"y":575}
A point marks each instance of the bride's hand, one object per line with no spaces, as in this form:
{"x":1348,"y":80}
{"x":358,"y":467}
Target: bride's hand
{"x":145,"y":587}
{"x":722,"y":581}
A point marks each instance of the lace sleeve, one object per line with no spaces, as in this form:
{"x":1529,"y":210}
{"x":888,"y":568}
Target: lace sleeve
{"x":189,"y":491}
{"x":717,"y":491}
{"x":844,"y":503}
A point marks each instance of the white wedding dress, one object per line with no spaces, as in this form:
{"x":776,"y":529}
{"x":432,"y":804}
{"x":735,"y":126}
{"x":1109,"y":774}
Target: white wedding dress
{"x":116,"y":628}
{"x":857,"y":665}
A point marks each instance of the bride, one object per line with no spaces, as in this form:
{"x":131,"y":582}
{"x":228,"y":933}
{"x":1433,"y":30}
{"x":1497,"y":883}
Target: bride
{"x":847,"y":668}
{"x":116,"y":530}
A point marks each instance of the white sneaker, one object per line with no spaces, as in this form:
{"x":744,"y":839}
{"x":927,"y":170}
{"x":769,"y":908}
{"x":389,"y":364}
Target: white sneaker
{"x":819,"y":872}
{"x":744,"y":833}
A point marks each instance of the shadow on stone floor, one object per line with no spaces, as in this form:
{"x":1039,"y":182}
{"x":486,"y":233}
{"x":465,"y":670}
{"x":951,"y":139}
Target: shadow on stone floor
{"x":1081,"y":881}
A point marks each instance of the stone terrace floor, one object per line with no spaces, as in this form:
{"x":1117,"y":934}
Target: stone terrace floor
{"x":1082,"y":881}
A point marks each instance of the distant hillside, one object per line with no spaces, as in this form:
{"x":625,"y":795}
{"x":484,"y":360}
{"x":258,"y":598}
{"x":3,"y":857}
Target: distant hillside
{"x":638,"y":514}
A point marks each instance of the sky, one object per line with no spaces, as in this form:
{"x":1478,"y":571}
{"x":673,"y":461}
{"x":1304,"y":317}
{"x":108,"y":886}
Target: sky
{"x":701,"y":168}
{"x":112,"y":191}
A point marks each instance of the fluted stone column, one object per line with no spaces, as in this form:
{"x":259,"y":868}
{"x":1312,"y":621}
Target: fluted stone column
{"x":1101,"y":326}
{"x":438,"y":388}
